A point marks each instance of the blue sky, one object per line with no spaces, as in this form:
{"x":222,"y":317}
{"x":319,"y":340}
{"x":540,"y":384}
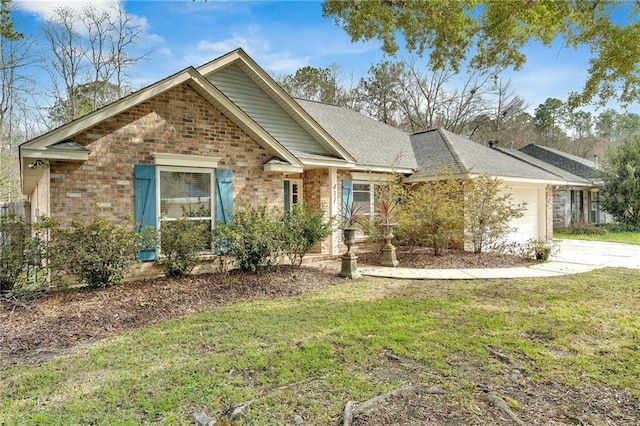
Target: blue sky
{"x":283,"y":36}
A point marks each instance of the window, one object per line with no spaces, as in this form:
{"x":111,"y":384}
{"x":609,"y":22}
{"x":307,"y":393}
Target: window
{"x":292,"y":193}
{"x":362,"y":198}
{"x":186,"y":193}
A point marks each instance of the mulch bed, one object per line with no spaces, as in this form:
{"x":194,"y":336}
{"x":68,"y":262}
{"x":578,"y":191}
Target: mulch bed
{"x":40,"y":325}
{"x":36,"y":326}
{"x":422,"y":257}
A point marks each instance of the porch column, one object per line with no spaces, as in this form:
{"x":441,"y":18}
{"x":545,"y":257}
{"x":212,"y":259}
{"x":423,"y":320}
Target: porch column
{"x":334,"y":211}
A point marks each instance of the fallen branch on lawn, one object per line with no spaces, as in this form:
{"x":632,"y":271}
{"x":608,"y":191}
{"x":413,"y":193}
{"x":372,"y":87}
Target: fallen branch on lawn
{"x":504,"y":358}
{"x":502,"y":405}
{"x":353,"y":409}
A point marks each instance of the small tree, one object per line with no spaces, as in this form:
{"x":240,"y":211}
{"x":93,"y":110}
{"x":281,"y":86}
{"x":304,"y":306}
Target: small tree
{"x":620,"y":193}
{"x":488,"y":211}
{"x":431,"y":214}
{"x":180,"y":241}
{"x":98,"y":253}
{"x":253,"y":238}
{"x":301,"y":228}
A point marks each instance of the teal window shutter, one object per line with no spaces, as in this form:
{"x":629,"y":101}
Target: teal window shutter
{"x":145,"y":215}
{"x":287,"y":196}
{"x":224,"y":195}
{"x":347,"y":194}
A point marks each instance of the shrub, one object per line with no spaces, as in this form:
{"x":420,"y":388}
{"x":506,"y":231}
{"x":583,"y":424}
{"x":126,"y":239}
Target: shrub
{"x":431,"y":214}
{"x":180,"y":242}
{"x":583,"y":228}
{"x":301,"y":228}
{"x":253,"y":238}
{"x":15,"y":248}
{"x":97,"y":253}
{"x":488,"y":212}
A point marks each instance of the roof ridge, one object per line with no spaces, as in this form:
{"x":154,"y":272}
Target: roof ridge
{"x":462,"y":166}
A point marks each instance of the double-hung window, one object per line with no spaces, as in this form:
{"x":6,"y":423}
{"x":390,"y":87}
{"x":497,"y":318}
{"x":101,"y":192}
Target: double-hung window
{"x":186,"y":193}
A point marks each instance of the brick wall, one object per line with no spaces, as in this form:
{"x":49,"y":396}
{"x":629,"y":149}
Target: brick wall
{"x":550,"y":196}
{"x":178,"y":121}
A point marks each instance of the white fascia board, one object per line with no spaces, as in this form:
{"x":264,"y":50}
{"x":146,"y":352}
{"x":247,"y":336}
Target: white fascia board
{"x":313,"y":162}
{"x":55,"y":154}
{"x":164,"y":159}
{"x":384,"y":169}
{"x":283,"y":168}
{"x":530,"y":181}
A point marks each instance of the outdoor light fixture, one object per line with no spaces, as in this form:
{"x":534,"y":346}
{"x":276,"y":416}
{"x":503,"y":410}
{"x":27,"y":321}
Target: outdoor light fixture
{"x":38,"y":163}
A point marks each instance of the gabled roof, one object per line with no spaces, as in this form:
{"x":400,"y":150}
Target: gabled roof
{"x":571,"y":179}
{"x":371,"y":142}
{"x":260,"y":77}
{"x":438,"y":148}
{"x":190,"y":76}
{"x":571,"y":163}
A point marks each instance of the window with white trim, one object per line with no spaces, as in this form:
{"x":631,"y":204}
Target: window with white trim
{"x":363,"y":197}
{"x":188,"y":193}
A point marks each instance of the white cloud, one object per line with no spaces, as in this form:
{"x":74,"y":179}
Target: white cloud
{"x":280,"y":61}
{"x":45,"y":9}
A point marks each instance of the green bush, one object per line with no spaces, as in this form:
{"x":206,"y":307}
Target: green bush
{"x":15,"y":249}
{"x":301,"y":228}
{"x":98,"y":253}
{"x":253,"y":238}
{"x":180,"y":242}
{"x":431,"y":214}
{"x":488,"y":212}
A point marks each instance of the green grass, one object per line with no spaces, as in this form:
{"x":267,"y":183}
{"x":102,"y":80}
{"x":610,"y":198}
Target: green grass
{"x":312,"y":353}
{"x":615,"y":237}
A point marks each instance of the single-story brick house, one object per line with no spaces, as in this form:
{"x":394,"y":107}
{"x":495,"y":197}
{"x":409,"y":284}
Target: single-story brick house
{"x":203,"y":140}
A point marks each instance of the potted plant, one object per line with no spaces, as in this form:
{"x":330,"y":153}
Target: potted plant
{"x":351,"y":221}
{"x":541,"y":249}
{"x":385,"y":203}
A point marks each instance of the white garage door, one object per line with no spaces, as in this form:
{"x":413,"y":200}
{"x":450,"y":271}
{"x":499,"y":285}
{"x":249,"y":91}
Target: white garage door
{"x":525,"y":227}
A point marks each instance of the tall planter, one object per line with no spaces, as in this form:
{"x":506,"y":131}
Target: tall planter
{"x":349,"y":260}
{"x":349,"y":238}
{"x":389,"y":251}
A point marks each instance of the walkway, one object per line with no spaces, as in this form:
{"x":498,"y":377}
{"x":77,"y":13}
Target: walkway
{"x":573,"y":257}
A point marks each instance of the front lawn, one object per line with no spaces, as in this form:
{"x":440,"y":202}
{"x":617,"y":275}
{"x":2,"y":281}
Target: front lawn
{"x":614,"y":237}
{"x":559,"y":350}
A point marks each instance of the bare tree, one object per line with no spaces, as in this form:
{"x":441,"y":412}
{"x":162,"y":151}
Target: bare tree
{"x":436,"y":99}
{"x":14,"y":86}
{"x":90,"y":52}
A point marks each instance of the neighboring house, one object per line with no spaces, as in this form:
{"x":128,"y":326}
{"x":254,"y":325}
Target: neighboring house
{"x":203,"y":141}
{"x":578,"y":201}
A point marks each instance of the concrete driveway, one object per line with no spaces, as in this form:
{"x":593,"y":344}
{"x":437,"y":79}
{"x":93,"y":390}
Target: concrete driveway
{"x":598,"y":254}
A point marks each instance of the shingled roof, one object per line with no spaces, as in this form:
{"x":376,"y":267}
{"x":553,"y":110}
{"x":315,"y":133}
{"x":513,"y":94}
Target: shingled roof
{"x":370,"y":142}
{"x":572,"y":163}
{"x":438,"y":148}
{"x":568,"y":176}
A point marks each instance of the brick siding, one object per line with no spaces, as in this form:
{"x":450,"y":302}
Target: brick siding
{"x":178,"y":121}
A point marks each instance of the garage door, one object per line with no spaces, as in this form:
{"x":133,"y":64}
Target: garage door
{"x":525,"y":227}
